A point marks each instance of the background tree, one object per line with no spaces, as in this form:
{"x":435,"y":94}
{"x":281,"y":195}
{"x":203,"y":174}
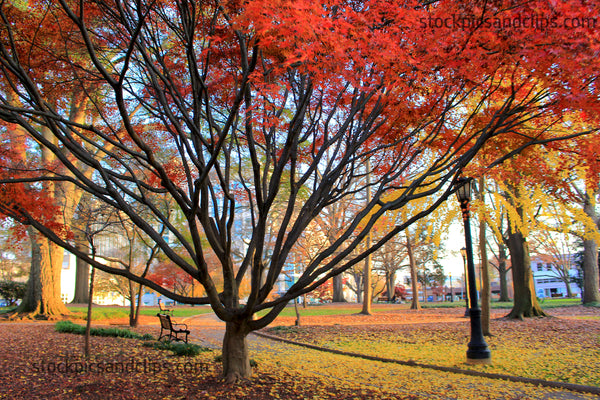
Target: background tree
{"x":390,"y":259}
{"x":11,"y":291}
{"x":15,"y":256}
{"x":187,"y":94}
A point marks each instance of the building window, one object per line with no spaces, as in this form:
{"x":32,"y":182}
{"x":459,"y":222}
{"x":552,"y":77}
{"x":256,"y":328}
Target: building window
{"x":549,"y":267}
{"x":539,"y":266}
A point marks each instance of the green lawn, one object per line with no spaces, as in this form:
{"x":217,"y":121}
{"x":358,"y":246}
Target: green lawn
{"x":323,"y":309}
{"x":545,"y":303}
{"x":110,"y":312}
{"x":352,"y":308}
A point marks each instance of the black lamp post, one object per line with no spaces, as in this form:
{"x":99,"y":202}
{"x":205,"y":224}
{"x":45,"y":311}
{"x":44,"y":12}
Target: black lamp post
{"x":463,"y":253}
{"x":451,"y":290}
{"x":478,"y":351}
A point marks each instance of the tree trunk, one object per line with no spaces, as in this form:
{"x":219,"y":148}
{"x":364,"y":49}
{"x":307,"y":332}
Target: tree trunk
{"x":503,"y":273}
{"x":485,"y":271}
{"x":390,"y":278}
{"x":236,"y":360}
{"x":485,"y":279}
{"x":358,"y":282}
{"x":297,"y":323}
{"x":138,"y":300}
{"x":367,"y":290}
{"x":88,"y":325}
{"x":82,"y":276}
{"x":42,"y":298}
{"x":591,"y":294}
{"x":413,"y":275}
{"x":338,"y":289}
{"x":525,"y":303}
{"x":132,"y":304}
{"x":568,"y":286}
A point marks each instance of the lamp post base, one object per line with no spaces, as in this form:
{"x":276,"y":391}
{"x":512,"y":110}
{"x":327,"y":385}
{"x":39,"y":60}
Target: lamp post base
{"x":479,"y":361}
{"x":478,"y":351}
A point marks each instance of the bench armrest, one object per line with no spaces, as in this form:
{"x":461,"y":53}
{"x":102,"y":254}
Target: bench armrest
{"x":174,"y":325}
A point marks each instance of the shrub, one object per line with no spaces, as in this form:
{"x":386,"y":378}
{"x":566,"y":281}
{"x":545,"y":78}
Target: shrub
{"x":70,"y":327}
{"x":178,"y":348}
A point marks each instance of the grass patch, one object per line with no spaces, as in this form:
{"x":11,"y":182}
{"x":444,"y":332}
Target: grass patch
{"x":70,"y":327}
{"x":559,"y":302}
{"x":100,"y":313}
{"x":546,"y":303}
{"x":178,"y":348}
{"x":322,"y":310}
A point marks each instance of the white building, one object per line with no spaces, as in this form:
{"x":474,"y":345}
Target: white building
{"x":67,"y":285}
{"x":547,"y":278}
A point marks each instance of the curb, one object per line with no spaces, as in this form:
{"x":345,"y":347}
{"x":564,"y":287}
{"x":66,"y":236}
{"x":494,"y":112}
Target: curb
{"x":539,"y":382}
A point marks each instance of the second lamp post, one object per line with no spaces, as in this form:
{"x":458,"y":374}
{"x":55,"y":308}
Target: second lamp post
{"x":478,"y":351}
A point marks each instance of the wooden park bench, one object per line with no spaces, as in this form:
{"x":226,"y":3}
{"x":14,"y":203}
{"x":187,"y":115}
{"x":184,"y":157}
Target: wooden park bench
{"x":163,"y":309}
{"x":171,"y":330}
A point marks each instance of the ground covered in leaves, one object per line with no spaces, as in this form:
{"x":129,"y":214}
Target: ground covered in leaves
{"x":564,"y":347}
{"x":39,"y":363}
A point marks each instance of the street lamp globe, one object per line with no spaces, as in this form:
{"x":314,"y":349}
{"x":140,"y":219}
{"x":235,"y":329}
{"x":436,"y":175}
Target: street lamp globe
{"x":463,"y":191}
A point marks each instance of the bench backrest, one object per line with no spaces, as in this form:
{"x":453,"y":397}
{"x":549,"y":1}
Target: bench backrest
{"x":165,"y":321}
{"x":161,"y":307}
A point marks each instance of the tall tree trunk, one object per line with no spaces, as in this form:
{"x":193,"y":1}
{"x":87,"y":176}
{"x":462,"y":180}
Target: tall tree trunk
{"x":359,"y":286}
{"x":42,"y":298}
{"x":485,"y":271}
{"x":389,"y":281}
{"x":88,"y":325}
{"x":297,"y":323}
{"x":591,"y":277}
{"x":503,"y":273}
{"x":485,"y":280}
{"x":367,"y":290}
{"x":82,"y":274}
{"x":338,"y":289}
{"x":236,"y":359}
{"x":138,"y":300}
{"x":132,"y":304}
{"x":568,"y":286}
{"x":413,"y":275}
{"x":525,"y":303}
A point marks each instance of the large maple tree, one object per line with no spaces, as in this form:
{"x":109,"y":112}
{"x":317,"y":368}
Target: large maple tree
{"x":268,"y":103}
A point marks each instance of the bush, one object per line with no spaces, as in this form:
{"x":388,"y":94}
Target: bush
{"x":70,"y":327}
{"x":178,"y":348}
